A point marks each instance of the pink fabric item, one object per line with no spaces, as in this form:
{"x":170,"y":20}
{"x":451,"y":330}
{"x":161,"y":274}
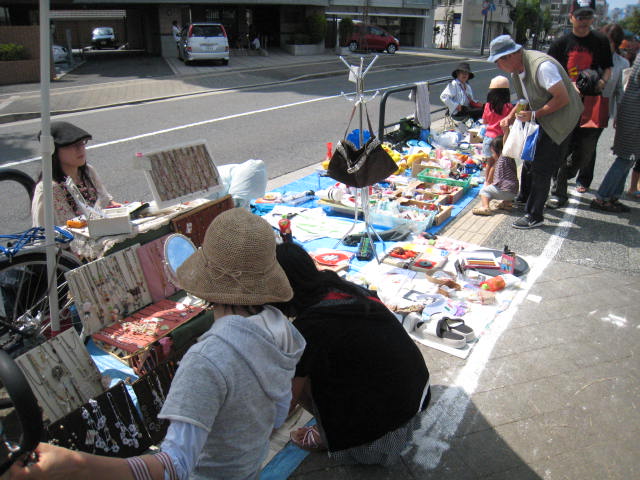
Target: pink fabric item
{"x":151,"y":256}
{"x":492,"y":120}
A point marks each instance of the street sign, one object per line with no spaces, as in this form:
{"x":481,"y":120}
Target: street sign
{"x":487,"y":6}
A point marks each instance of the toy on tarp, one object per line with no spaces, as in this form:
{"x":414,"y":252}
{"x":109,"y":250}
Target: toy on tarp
{"x":289,"y":198}
{"x":493,"y":284}
{"x":507,"y":261}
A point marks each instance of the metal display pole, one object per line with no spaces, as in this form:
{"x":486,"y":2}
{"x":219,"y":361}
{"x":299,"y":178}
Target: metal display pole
{"x":360,"y":101}
{"x":46,"y":147}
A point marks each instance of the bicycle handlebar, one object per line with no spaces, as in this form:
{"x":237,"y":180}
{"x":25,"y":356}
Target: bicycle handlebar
{"x":26,"y":407}
{"x":30,"y":236}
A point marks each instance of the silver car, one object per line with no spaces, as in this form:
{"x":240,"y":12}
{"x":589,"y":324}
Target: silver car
{"x":204,"y":41}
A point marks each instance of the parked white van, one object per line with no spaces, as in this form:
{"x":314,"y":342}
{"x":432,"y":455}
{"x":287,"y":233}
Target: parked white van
{"x":203,"y":41}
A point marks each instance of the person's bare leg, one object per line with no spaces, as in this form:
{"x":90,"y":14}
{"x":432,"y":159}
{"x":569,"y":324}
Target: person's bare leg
{"x":633,"y":185}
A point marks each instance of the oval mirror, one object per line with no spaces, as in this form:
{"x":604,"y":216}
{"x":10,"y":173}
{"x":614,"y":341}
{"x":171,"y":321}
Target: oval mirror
{"x":177,"y":248}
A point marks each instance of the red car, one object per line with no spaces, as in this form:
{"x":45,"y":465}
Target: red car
{"x":372,"y":37}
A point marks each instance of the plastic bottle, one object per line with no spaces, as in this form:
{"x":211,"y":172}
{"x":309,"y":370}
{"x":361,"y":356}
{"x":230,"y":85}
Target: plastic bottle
{"x":284,"y":224}
{"x":522,"y":105}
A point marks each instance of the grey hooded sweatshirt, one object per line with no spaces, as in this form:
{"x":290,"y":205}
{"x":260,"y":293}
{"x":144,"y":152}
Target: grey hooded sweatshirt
{"x":228,"y":384}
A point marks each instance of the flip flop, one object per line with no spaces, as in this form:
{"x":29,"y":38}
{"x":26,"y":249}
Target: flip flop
{"x":581,"y":189}
{"x":439,"y":331}
{"x":308,"y":439}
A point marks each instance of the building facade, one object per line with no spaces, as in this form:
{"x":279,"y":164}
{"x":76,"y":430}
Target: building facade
{"x":146,"y":24}
{"x":464,"y":23}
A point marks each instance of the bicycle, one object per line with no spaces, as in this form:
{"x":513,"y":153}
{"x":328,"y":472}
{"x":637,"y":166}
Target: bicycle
{"x":25,"y":286}
{"x":24,"y":179}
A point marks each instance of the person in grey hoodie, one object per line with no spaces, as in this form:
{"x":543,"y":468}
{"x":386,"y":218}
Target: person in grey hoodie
{"x":232,"y":387}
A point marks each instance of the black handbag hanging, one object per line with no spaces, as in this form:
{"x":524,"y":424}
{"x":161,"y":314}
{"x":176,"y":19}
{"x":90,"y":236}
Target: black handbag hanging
{"x":360,"y":167}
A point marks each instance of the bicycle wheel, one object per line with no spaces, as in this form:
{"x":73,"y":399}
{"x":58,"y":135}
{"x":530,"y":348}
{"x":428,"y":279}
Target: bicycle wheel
{"x":24,"y":179}
{"x":15,"y":184}
{"x":24,"y":299}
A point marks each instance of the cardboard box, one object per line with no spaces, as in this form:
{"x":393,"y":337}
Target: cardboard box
{"x":443,"y":214}
{"x":474,"y":135}
{"x":116,"y":222}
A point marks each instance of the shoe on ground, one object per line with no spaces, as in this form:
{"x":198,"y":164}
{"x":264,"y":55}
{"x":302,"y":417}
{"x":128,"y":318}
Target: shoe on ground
{"x":612,"y":207}
{"x":504,"y":205}
{"x":581,"y":189}
{"x":556,"y":202}
{"x":623,"y":208}
{"x":519,"y":204}
{"x":485,"y":212}
{"x":527,"y":222}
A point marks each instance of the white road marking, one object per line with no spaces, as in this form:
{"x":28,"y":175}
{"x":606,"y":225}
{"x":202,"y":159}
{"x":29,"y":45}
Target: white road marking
{"x":8,"y":101}
{"x":442,"y":419}
{"x":195,"y":124}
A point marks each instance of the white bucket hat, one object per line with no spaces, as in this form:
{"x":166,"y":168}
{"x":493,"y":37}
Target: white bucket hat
{"x":501,"y":46}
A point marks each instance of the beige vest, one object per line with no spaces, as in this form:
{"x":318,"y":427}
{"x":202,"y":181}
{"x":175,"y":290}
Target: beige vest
{"x":559,"y":124}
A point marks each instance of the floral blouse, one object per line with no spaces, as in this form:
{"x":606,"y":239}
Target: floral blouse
{"x":64,"y":207}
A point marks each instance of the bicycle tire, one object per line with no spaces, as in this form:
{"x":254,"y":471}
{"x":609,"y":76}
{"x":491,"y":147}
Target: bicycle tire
{"x":24,"y":179}
{"x":24,"y":288}
{"x":24,"y":402}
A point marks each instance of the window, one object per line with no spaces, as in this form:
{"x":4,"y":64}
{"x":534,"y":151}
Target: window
{"x":207,"y":31}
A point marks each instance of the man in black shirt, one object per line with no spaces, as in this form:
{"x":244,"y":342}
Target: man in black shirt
{"x":576,"y":51}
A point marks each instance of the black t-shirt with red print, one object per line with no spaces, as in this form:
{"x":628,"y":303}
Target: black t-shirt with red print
{"x":579,"y":53}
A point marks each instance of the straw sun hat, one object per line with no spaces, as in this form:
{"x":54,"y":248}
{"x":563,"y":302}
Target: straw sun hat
{"x":236,"y":264}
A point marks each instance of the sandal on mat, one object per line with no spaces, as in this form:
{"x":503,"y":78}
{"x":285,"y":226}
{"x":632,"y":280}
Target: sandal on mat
{"x":308,"y":438}
{"x":457,"y":325}
{"x":439,"y":331}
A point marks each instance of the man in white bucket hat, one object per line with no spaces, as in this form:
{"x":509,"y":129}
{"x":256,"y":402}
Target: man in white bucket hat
{"x":540,"y":80}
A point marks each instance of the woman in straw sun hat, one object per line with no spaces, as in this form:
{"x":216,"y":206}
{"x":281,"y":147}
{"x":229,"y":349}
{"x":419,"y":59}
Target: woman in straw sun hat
{"x":232,"y":387}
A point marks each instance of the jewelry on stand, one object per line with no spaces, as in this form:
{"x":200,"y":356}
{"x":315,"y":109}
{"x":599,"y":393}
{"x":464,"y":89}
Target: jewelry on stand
{"x":129,"y":435}
{"x":110,"y":445}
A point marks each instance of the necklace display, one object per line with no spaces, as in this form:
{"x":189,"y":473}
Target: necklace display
{"x":107,"y":425}
{"x":61,"y":374}
{"x":109,"y":289}
{"x":152,"y":261}
{"x":150,"y":390}
{"x":181,"y":171}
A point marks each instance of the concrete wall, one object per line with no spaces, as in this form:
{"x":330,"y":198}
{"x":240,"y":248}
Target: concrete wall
{"x":22,"y":71}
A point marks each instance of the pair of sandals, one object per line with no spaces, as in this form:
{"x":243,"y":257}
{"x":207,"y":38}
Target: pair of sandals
{"x":308,"y":438}
{"x":452,"y":332}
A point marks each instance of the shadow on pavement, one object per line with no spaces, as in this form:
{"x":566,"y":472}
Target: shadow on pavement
{"x":118,"y":65}
{"x":439,"y":450}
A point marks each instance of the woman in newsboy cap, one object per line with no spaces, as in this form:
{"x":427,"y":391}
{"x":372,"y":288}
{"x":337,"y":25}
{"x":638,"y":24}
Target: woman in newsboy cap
{"x":69,"y":159}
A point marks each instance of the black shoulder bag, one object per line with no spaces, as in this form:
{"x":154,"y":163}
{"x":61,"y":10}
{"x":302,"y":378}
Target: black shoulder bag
{"x":360,"y":167}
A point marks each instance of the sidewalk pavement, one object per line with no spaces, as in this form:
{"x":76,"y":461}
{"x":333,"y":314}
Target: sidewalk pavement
{"x":119,"y":77}
{"x":550,"y":391}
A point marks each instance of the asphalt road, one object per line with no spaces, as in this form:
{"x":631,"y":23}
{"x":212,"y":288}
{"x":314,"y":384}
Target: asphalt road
{"x":285,"y":124}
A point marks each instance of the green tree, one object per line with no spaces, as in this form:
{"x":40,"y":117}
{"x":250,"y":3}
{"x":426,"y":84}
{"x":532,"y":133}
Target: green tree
{"x":345,"y":29}
{"x":316,"y":27}
{"x":632,"y":22}
{"x":529,"y":16}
